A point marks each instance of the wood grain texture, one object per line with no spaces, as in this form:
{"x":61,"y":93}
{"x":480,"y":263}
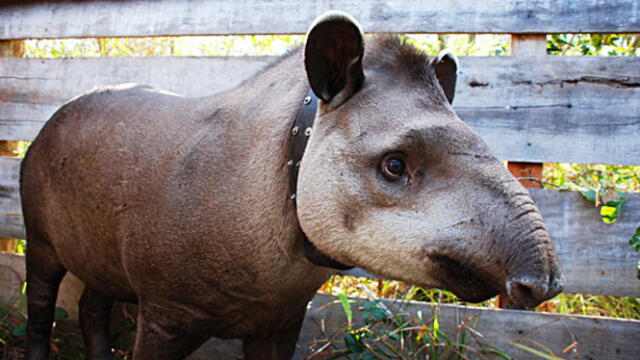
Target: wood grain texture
{"x":526,"y":170}
{"x":529,"y":45}
{"x":11,"y":48}
{"x":57,"y":19}
{"x":531,"y":109}
{"x":11,"y":222}
{"x":596,"y":257}
{"x":31,"y":90}
{"x":596,"y":337}
{"x":12,"y":276}
{"x":548,"y":108}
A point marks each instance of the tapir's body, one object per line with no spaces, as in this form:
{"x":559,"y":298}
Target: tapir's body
{"x":184,"y":206}
{"x":142,"y":192}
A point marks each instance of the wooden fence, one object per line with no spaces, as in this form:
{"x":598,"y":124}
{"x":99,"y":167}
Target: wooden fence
{"x":529,"y":107}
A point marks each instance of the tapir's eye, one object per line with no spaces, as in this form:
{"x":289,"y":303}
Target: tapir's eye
{"x":393,"y":167}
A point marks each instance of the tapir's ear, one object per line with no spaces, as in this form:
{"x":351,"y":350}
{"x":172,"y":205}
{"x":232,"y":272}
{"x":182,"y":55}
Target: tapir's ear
{"x":333,"y":55}
{"x":446,"y":68}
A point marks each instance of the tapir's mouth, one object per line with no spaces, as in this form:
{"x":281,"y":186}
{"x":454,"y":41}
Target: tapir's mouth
{"x":467,"y":281}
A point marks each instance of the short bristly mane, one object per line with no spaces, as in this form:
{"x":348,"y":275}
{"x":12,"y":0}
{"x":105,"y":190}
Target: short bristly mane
{"x":392,"y":53}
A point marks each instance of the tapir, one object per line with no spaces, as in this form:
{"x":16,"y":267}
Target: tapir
{"x":185,"y":206}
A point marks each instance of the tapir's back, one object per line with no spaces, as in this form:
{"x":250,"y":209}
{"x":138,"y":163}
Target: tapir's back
{"x":93,"y":165}
{"x":152,"y":197}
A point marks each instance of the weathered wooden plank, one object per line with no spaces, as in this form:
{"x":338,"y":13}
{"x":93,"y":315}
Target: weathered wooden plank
{"x":57,"y":19}
{"x":566,"y":109}
{"x":548,"y":108}
{"x":526,"y":170}
{"x":10,"y":48}
{"x":595,"y":337}
{"x":11,"y":222}
{"x":32,"y":89}
{"x":595,"y":257}
{"x":528,"y":45}
{"x":12,"y":276}
{"x":522,"y":46}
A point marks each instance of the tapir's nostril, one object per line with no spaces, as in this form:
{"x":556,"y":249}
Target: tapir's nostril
{"x":526,"y":292}
{"x":530,"y":292}
{"x":556,"y":286}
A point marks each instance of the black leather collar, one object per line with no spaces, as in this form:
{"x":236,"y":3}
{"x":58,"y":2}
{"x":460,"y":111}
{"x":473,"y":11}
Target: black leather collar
{"x":300,"y":133}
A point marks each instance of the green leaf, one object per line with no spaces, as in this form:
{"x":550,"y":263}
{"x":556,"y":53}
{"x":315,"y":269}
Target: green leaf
{"x":638,"y":268}
{"x":491,"y":350}
{"x":372,"y":313}
{"x":354,"y":343}
{"x":21,"y":249}
{"x":461,"y":340}
{"x":635,"y":240}
{"x":552,"y":48}
{"x":618,"y":200}
{"x":59,"y":314}
{"x":589,"y":195}
{"x":609,"y":214}
{"x":346,"y":307}
{"x":436,"y":323}
{"x":19,"y":331}
{"x":537,"y":352}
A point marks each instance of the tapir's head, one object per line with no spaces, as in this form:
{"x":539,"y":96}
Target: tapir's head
{"x":393,"y":181}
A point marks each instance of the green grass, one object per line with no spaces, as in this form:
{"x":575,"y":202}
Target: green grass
{"x":11,"y":344}
{"x":400,"y":335}
{"x":592,"y":176}
{"x":388,"y":332}
{"x":65,"y":344}
{"x":576,"y":304}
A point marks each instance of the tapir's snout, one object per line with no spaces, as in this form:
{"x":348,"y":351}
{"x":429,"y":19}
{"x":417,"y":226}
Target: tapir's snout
{"x":523,"y":286}
{"x":530,"y":291}
{"x":507,"y":250}
{"x":534,"y":274}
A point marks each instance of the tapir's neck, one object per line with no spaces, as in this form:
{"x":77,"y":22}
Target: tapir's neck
{"x":255,"y":121}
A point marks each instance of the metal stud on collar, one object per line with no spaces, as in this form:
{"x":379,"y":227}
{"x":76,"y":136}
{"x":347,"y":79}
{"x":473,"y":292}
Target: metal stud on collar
{"x":302,"y":124}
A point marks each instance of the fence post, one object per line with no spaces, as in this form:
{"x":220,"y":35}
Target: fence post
{"x":525,"y":45}
{"x":10,"y":48}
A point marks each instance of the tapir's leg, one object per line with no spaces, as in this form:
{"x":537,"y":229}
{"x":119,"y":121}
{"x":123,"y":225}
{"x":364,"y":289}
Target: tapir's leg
{"x":163,"y":333}
{"x":277,"y":346}
{"x":95,"y":311}
{"x":44,"y":273}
